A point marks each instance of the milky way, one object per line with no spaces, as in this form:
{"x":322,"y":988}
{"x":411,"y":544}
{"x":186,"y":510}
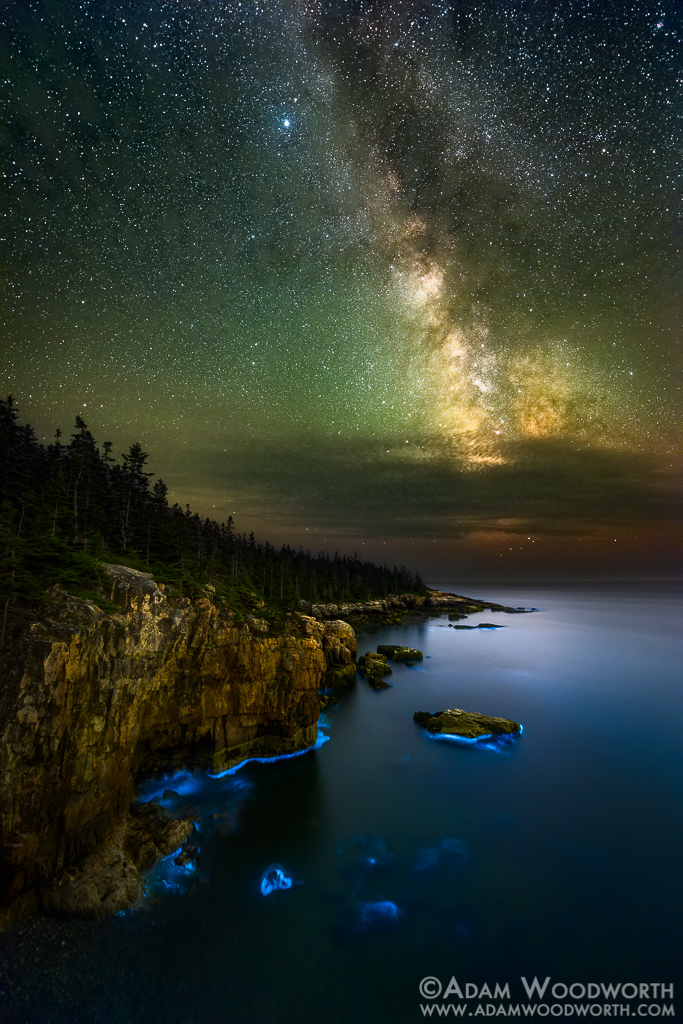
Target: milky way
{"x":394,"y":277}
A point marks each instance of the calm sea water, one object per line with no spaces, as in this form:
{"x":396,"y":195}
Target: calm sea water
{"x":558,"y":854}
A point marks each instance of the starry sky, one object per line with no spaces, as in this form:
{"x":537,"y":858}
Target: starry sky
{"x":394,"y":277}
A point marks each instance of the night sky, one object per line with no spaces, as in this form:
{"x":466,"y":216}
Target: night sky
{"x":394,"y":277}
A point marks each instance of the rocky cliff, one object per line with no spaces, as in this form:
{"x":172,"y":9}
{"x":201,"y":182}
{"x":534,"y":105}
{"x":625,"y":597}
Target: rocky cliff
{"x":89,"y":700}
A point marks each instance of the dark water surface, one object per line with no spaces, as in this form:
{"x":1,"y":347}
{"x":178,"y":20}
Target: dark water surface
{"x":558,"y":854}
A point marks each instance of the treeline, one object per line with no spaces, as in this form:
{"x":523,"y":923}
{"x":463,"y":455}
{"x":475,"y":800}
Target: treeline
{"x":67,"y":506}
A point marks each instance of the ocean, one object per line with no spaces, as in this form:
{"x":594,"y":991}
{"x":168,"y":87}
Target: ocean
{"x":332,"y":884}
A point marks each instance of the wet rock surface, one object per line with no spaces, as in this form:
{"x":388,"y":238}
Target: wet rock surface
{"x":393,"y":608}
{"x":372,"y":664}
{"x":90,"y":700}
{"x":109,"y":880}
{"x":377,"y":683}
{"x":468,"y":724}
{"x":398,"y":653}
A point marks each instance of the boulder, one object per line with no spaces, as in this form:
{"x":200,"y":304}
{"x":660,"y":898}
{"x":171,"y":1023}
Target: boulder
{"x":398,"y":653}
{"x":374,"y":665}
{"x":469,"y":725}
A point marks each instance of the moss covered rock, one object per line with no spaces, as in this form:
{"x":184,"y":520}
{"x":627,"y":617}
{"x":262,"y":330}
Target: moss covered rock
{"x":398,"y":653}
{"x":339,"y":675}
{"x":468,"y":724}
{"x":377,"y":683}
{"x":374,"y":665}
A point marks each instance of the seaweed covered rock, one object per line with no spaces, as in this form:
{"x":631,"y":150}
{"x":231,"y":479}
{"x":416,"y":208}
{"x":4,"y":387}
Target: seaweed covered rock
{"x":374,"y":665}
{"x":468,"y":724}
{"x":377,"y":683}
{"x":339,"y":675}
{"x":398,"y":653}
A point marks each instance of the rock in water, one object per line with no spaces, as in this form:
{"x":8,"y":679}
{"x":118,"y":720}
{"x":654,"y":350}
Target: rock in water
{"x":274,"y":878}
{"x":374,"y":665}
{"x":378,"y":684}
{"x":398,"y":653}
{"x":379,"y":913}
{"x":468,"y":724}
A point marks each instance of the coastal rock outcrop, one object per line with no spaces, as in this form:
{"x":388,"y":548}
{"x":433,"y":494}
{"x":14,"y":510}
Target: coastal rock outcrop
{"x":340,"y":648}
{"x":467,"y":724}
{"x":394,"y":606}
{"x":398,"y":653}
{"x":89,"y":700}
{"x":109,"y":879}
{"x":373,"y":667}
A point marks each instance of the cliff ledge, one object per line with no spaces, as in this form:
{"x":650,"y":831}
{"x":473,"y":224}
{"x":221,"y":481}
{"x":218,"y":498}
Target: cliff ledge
{"x":89,"y":700}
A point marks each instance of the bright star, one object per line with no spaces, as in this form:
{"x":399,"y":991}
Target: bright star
{"x":286,"y":124}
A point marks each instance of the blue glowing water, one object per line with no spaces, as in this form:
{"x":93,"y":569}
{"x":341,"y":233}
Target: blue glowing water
{"x":552,"y":854}
{"x":374,"y":913}
{"x":274,"y":878}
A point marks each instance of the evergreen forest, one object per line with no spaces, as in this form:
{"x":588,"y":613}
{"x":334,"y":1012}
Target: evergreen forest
{"x":68,"y":506}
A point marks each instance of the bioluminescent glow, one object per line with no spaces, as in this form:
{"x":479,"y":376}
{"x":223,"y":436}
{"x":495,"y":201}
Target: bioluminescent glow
{"x":455,"y":846}
{"x":426,"y":860}
{"x":375,"y":850}
{"x":184,"y":783}
{"x":320,"y":741}
{"x":430,"y":857}
{"x":274,"y":878}
{"x":382,"y":912}
{"x":463,"y":740}
{"x":487,"y":741}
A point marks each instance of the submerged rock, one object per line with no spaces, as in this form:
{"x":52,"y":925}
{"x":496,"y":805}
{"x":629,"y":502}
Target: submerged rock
{"x":384,"y":912}
{"x":489,"y":625}
{"x":274,"y":878}
{"x":377,"y":683}
{"x":468,"y":724}
{"x":398,"y":653}
{"x":187,"y":856}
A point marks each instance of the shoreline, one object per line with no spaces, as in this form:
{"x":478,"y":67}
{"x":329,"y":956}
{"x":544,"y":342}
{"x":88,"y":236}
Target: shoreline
{"x":96,"y":700}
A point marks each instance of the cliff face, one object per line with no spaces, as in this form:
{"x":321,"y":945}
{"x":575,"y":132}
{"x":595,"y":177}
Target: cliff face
{"x":89,"y":700}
